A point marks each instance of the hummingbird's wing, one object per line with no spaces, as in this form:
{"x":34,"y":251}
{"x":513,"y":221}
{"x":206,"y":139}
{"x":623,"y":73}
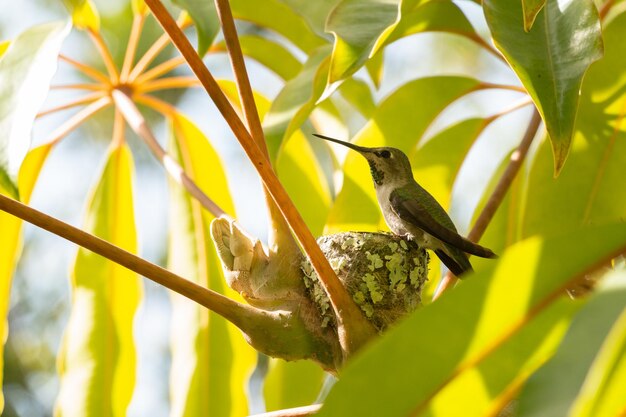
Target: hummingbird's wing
{"x":456,"y":262}
{"x":410,"y":210}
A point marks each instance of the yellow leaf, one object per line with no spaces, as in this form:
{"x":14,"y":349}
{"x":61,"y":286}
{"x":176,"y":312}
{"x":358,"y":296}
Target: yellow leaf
{"x":97,"y":359}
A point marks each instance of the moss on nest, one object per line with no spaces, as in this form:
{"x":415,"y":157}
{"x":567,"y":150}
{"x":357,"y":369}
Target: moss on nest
{"x":383,"y":272}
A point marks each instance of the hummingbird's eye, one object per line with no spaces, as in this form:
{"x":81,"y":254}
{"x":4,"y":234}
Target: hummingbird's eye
{"x":384,"y":154}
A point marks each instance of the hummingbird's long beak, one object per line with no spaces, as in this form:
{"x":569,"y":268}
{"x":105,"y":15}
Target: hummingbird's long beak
{"x":347,"y":144}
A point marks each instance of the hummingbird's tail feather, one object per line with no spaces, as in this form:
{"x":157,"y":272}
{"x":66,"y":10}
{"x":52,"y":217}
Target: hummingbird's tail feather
{"x":458,"y":266}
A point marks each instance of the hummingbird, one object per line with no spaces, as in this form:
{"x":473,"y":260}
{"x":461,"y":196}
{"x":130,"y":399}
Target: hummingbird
{"x":410,"y":211}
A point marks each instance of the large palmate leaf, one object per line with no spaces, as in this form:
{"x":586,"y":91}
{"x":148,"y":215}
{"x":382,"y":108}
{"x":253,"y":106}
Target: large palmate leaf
{"x":204,"y":16}
{"x":551,"y":59}
{"x":210,"y":359}
{"x":10,"y":239}
{"x":488,"y":317}
{"x":393,"y":124}
{"x":26,"y":69}
{"x":548,"y":393}
{"x":590,"y":189}
{"x":97,"y":360}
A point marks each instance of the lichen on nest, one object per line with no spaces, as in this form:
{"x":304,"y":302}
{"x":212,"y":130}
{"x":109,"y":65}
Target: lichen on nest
{"x":383,"y":273}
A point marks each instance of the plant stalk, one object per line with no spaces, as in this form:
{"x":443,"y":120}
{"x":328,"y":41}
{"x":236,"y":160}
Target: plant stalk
{"x":354,"y":330}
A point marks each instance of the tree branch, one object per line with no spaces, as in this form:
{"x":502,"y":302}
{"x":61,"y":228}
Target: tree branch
{"x":486,"y":215}
{"x":138,"y":123}
{"x":237,"y":313}
{"x":354,"y":330}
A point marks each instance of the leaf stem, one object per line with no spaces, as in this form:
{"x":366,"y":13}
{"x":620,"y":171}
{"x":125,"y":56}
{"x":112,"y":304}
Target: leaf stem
{"x":156,"y":49}
{"x":87,"y":70}
{"x":353,"y":329}
{"x":133,"y":42}
{"x":118,"y":130}
{"x":606,"y":8}
{"x":496,"y":197}
{"x":84,"y":86}
{"x":80,"y":101}
{"x":235,"y":312}
{"x":159,"y":70}
{"x":520,"y":89}
{"x":165,"y":83}
{"x":74,"y":121}
{"x":138,"y":123}
{"x":105,"y":53}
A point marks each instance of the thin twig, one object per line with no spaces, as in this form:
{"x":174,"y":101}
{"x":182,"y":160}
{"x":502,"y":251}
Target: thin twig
{"x":237,"y":313}
{"x":496,"y":197}
{"x":138,"y":123}
{"x":133,"y":42}
{"x":159,"y":70}
{"x":73,"y":122}
{"x":86,"y":69}
{"x":493,"y":51}
{"x":354,"y":330}
{"x":279,"y":234}
{"x":156,"y":48}
{"x":167,"y":83}
{"x":78,"y":102}
{"x":308,"y":410}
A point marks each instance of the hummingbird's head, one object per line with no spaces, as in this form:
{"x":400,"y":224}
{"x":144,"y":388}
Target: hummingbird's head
{"x":386,"y":164}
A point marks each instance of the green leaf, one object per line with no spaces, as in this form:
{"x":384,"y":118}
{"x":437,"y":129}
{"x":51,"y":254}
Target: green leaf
{"x":302,"y":177}
{"x":268,"y":53}
{"x":531,"y":9}
{"x":591,"y":352}
{"x":210,"y":359}
{"x":97,"y":360}
{"x":204,"y":17}
{"x":292,"y":384}
{"x":549,"y":64}
{"x":11,"y":241}
{"x":470,"y":325}
{"x":590,"y":188}
{"x":363,"y":27}
{"x":84,"y":14}
{"x":374,"y":67}
{"x":357,"y":25}
{"x":296,"y":101}
{"x":276,"y":16}
{"x":358,"y":93}
{"x":26,"y":69}
{"x":314,"y":12}
{"x":391,"y":125}
{"x":504,"y":228}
